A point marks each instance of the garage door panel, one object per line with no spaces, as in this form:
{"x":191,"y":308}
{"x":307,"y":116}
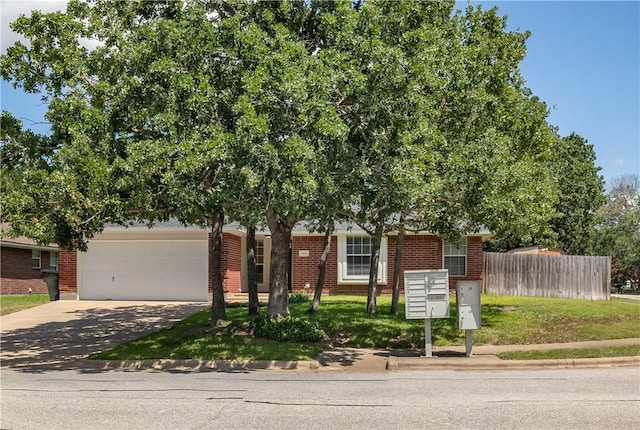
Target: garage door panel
{"x":144,"y":270}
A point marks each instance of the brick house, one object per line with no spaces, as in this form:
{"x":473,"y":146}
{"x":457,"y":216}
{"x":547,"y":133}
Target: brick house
{"x":171,"y":262}
{"x":21,"y":263}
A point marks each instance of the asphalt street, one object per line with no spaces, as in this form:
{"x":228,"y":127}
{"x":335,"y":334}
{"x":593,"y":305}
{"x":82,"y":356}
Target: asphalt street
{"x":551,"y":399}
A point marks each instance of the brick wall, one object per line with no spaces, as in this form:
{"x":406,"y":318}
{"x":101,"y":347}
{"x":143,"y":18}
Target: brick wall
{"x":304,"y":270}
{"x":419,"y":252}
{"x":68,"y":270}
{"x":475,"y":260}
{"x":231,"y":264}
{"x":17,"y":275}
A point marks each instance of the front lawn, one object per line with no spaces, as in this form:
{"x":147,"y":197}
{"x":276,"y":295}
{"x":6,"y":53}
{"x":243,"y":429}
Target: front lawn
{"x":10,"y":304}
{"x":505,"y":320}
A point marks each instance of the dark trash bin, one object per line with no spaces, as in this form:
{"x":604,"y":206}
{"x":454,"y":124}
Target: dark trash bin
{"x":51,"y":278}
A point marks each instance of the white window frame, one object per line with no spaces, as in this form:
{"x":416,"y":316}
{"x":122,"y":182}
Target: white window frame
{"x":260,"y":260}
{"x":53,"y":257}
{"x":446,"y":252}
{"x":36,"y":255}
{"x":344,"y":278}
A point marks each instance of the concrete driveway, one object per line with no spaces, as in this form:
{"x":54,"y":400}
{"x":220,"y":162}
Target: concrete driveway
{"x":55,"y":335}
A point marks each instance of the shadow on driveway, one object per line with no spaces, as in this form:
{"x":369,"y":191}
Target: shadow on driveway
{"x":58,"y":345}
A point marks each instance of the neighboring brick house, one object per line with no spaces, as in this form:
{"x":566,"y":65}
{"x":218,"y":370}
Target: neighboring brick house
{"x":171,"y":262}
{"x":21,"y":265}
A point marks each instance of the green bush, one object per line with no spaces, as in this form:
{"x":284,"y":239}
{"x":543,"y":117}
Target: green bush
{"x":288,"y":329}
{"x":242,"y":305}
{"x":299,"y":298}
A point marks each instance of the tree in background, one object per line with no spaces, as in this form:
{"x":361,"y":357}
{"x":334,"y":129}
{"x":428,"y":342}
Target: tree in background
{"x":581,"y":193}
{"x":618,"y":229}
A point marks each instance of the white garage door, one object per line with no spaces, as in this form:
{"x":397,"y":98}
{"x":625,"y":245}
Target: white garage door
{"x":144,"y":270}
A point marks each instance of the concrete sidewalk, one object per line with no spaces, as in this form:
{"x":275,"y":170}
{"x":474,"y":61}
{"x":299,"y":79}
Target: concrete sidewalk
{"x":454,"y":358}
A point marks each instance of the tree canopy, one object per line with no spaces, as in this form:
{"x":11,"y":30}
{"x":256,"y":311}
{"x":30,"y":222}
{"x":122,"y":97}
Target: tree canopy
{"x":276,"y":112}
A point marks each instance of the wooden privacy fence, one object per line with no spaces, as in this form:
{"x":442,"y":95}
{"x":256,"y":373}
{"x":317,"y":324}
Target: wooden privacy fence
{"x":565,"y":276}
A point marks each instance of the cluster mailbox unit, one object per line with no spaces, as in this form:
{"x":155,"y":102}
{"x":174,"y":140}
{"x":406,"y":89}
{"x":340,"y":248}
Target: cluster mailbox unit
{"x":427,"y":296}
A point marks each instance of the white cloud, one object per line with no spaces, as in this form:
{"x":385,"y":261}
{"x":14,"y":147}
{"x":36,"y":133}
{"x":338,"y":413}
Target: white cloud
{"x":618,"y":161}
{"x":10,"y":10}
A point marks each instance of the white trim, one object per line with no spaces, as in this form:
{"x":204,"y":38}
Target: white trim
{"x":465,"y":255}
{"x":343,"y":278}
{"x":143,"y":240}
{"x":9,"y":244}
{"x":266,"y":266}
{"x":232,"y":228}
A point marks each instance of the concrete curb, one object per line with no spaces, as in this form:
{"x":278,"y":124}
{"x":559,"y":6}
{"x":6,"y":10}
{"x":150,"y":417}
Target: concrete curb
{"x":488,"y":363}
{"x":199,"y":365}
{"x":494,"y":363}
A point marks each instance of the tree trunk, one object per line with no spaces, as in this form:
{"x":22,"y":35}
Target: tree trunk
{"x":218,"y":312}
{"x":279,"y":276}
{"x":397,"y":270}
{"x":372,"y":306}
{"x":252,"y":281}
{"x":322,"y":267}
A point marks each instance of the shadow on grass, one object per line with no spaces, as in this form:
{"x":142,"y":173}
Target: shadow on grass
{"x":348,"y":325}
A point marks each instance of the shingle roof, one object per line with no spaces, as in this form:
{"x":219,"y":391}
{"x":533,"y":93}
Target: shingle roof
{"x":20,"y":241}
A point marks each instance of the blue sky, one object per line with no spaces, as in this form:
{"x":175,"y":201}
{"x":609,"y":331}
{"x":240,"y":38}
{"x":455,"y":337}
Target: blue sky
{"x":583,"y":60}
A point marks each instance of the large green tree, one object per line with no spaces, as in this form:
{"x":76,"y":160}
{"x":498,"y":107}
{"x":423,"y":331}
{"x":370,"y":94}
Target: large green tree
{"x":444,"y":135}
{"x":287,"y":125}
{"x":581,"y":193}
{"x":139,"y":120}
{"x":190,"y":110}
{"x":278,"y":112}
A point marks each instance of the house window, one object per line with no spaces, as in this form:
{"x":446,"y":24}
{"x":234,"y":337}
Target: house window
{"x":455,"y":257}
{"x":354,"y":259}
{"x":36,"y":259}
{"x":260,"y":261}
{"x":53,"y":260}
{"x":358,"y":256}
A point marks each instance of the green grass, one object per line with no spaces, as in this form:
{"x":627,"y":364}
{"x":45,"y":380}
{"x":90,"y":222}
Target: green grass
{"x":505,"y":320}
{"x":608,"y":351}
{"x":10,"y":304}
{"x":530,"y":320}
{"x":194,"y":338}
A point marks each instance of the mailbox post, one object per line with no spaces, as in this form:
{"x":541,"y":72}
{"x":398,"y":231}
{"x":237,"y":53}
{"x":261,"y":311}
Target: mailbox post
{"x":469,"y":309}
{"x":426,"y":296}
